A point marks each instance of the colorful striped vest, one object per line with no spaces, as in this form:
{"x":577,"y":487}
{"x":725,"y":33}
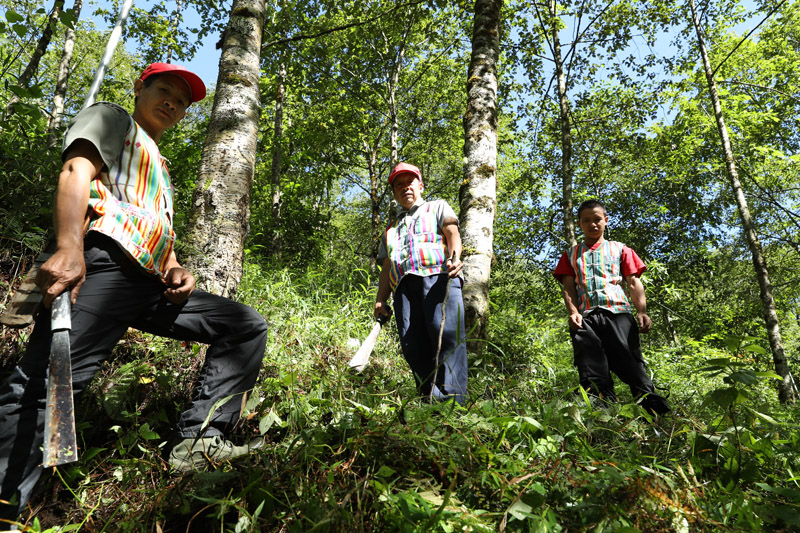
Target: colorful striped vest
{"x":133,"y":202}
{"x":598,"y":277}
{"x":415,"y":245}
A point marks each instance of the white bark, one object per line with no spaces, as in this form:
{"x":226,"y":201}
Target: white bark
{"x":25,"y":78}
{"x":62,"y":79}
{"x":478,"y":192}
{"x":221,"y":204}
{"x":174,"y":26}
{"x":566,"y":136}
{"x":277,"y":162}
{"x":785,"y":392}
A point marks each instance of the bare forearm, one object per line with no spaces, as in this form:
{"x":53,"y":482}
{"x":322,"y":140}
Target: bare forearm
{"x":636,"y":290}
{"x":71,"y":204}
{"x":384,"y":290}
{"x":452,"y":238}
{"x":570,"y":296}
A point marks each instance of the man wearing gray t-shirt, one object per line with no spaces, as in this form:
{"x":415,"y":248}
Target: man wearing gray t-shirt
{"x":121,"y":270}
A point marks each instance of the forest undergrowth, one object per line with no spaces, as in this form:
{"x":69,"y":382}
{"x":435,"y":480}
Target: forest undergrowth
{"x":358,"y":452}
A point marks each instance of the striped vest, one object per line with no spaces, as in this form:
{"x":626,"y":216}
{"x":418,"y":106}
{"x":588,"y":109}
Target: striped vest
{"x":133,"y":202}
{"x":598,"y":277}
{"x":415,"y":245}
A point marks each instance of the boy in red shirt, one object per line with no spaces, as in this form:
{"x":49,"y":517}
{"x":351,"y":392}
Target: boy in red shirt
{"x":605,"y":336}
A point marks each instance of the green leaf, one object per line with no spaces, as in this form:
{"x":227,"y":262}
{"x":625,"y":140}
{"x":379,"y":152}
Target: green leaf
{"x":755,"y":348}
{"x":385,"y":471}
{"x":724,"y":397}
{"x":732,"y":343}
{"x":13,"y":16}
{"x":219,"y":403}
{"x":20,"y":30}
{"x":22,"y":92}
{"x":788,"y":514}
{"x":764,"y":417}
{"x":146,"y":433}
{"x":520,"y":510}
{"x":744,"y":376}
{"x":267,"y":421}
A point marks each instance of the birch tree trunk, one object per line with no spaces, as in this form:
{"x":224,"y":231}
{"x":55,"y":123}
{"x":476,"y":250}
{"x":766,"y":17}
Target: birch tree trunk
{"x":566,"y":136}
{"x":277,"y":157}
{"x":174,"y":25}
{"x":25,"y":78}
{"x":371,"y":155}
{"x":785,"y":393}
{"x":221,"y":202}
{"x":478,"y":193}
{"x":391,"y":87}
{"x":62,"y":79}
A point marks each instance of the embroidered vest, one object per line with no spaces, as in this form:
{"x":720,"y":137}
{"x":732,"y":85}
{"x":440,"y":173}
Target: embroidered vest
{"x":133,"y":202}
{"x":598,"y":277}
{"x":414,"y":245}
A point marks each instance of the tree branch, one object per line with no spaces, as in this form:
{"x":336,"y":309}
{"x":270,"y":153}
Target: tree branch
{"x":304,"y":36}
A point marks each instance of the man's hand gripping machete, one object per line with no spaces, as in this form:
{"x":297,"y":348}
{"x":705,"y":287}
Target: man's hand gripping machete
{"x":361,"y":358}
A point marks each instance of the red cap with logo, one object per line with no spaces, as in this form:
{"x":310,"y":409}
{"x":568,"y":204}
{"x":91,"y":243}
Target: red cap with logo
{"x":404,"y":168}
{"x":196,"y":85}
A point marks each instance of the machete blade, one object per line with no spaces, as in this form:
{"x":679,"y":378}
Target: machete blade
{"x":60,"y":443}
{"x":361,"y":358}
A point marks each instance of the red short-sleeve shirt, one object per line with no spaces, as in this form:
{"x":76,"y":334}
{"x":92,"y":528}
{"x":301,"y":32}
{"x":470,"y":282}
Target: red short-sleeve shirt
{"x":630,"y":264}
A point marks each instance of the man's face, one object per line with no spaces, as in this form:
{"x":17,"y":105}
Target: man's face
{"x":162,"y":104}
{"x":406,"y":189}
{"x":593,"y":223}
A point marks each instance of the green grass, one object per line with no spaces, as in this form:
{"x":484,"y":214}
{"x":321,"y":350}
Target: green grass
{"x":357,"y":452}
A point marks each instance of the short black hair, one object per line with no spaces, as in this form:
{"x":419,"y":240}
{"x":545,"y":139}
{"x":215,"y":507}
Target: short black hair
{"x":590,"y":204}
{"x":148,"y":81}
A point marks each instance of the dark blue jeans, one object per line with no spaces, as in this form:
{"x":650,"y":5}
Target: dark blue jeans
{"x":118,"y":295}
{"x":418,"y":312}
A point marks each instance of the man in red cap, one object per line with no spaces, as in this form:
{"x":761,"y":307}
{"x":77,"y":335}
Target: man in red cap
{"x":113,"y":219}
{"x":420,"y":254}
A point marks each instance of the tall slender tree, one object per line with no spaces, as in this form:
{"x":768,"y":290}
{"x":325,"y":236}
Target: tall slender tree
{"x":277,"y":162}
{"x":566,"y":129}
{"x":221,"y":202}
{"x":478,"y":194}
{"x":785,"y":392}
{"x":63,"y":76}
{"x":28,"y":73}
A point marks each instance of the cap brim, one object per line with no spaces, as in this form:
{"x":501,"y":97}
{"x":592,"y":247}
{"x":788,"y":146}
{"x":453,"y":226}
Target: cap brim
{"x":196,"y":85}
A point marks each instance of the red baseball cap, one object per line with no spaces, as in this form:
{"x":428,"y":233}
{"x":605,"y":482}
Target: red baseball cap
{"x":196,"y":85}
{"x":404,"y":168}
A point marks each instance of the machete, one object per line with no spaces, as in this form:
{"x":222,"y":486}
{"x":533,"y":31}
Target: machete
{"x":60,"y":443}
{"x":361,"y":358}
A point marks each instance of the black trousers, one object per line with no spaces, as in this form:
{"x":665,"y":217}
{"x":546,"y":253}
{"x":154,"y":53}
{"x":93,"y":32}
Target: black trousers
{"x":609,"y":342}
{"x":118,"y":295}
{"x":418,"y":313}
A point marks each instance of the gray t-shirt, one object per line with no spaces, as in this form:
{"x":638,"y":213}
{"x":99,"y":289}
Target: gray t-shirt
{"x":104,"y":125}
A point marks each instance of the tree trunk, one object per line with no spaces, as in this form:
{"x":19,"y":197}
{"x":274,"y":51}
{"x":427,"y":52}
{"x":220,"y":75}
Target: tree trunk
{"x":174,"y":25}
{"x":478,"y":193}
{"x":391,"y":83}
{"x":221,"y":203}
{"x":566,"y":136}
{"x":277,"y":157}
{"x":62,"y":79}
{"x":371,"y":155}
{"x":669,"y":327}
{"x":25,"y":78}
{"x":785,"y":393}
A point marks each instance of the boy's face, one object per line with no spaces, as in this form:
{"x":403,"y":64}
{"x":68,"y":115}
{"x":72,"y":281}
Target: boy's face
{"x":593,"y":224}
{"x":407,"y":189}
{"x":162,"y":104}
